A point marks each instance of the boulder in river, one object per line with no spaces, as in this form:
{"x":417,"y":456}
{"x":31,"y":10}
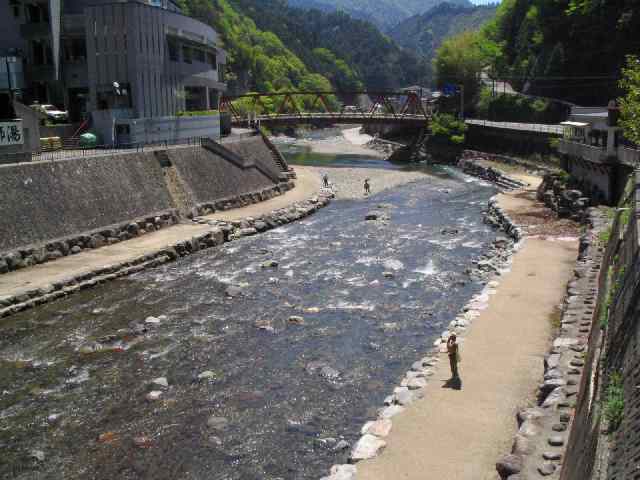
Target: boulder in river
{"x":329,"y":373}
{"x":217,"y":423}
{"x":296,"y":320}
{"x":270,"y":264}
{"x":233,"y":291}
{"x":371,"y":216}
{"x":206,"y":375}
{"x":153,"y":395}
{"x":160,"y":381}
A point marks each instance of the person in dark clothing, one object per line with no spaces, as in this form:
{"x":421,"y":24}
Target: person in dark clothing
{"x":367,"y":187}
{"x":325,"y":180}
{"x":454,"y":355}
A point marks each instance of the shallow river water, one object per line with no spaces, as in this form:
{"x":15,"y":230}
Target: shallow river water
{"x":250,"y":394}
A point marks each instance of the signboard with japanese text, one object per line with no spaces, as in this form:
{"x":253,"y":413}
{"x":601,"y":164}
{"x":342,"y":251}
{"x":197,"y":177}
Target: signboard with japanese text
{"x":11,"y":133}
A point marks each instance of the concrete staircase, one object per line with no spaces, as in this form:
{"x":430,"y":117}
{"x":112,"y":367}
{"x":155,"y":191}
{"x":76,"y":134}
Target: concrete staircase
{"x":278,"y":158}
{"x":181,"y":198}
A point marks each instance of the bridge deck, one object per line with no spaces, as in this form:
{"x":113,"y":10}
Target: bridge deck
{"x":360,"y":118}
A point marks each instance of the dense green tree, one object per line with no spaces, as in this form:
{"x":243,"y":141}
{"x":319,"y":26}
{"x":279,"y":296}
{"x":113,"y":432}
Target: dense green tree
{"x":630,"y":103}
{"x":460,"y":61}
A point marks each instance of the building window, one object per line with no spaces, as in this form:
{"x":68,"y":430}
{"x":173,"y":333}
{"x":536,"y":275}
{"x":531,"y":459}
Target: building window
{"x":174,"y":50}
{"x":75,"y":50}
{"x":15,"y":8}
{"x":186,"y":54}
{"x":212,"y":60}
{"x":198,"y":55}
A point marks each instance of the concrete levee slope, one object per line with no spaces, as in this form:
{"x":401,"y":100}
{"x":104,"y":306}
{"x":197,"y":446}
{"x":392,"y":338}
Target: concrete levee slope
{"x":236,"y":168}
{"x":47,"y":200}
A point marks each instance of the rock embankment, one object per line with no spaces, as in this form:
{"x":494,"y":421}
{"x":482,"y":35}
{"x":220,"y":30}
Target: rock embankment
{"x":540,"y":443}
{"x":566,"y":202}
{"x":471,"y":166}
{"x":219,"y":233}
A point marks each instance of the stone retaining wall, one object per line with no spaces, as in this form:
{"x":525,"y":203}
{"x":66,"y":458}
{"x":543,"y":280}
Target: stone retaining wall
{"x":52,"y":209}
{"x":42,"y":201}
{"x":603,"y":443}
{"x":565,"y":201}
{"x":220,"y":232}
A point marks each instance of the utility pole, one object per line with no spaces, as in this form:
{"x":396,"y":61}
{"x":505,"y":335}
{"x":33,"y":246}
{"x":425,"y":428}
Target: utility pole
{"x":461,"y":102}
{"x":6,"y":60}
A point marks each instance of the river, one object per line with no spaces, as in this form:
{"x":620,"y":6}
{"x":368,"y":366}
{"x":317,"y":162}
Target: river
{"x":250,"y":394}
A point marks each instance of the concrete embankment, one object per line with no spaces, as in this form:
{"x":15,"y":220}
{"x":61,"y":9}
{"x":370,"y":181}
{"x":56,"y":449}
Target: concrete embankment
{"x":50,"y":210}
{"x":29,"y":287}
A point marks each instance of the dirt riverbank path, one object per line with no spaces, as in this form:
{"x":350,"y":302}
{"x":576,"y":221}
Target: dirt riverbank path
{"x":460,"y":434}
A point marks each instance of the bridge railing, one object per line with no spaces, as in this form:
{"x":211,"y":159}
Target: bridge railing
{"x":324,"y":105}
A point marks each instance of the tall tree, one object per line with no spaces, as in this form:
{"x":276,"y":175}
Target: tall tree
{"x":630,"y":103}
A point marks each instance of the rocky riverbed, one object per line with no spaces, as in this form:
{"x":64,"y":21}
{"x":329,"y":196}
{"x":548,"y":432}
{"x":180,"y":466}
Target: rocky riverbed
{"x":258,"y":360}
{"x":262,"y":359}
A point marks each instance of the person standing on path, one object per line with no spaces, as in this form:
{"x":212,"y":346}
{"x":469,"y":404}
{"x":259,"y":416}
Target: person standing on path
{"x":367,"y":187}
{"x":325,"y":180}
{"x":454,"y":355}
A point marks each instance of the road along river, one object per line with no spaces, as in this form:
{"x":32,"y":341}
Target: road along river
{"x":164,"y":375}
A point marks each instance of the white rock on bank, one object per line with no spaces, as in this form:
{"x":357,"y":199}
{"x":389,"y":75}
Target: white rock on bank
{"x":379,"y":428}
{"x":416,"y":383}
{"x":391,"y":411}
{"x":367,"y":447}
{"x":342,"y":472}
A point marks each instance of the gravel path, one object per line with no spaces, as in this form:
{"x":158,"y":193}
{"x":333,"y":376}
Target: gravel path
{"x":459,"y":434}
{"x":349,"y":182}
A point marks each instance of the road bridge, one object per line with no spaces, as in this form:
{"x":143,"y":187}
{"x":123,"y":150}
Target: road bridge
{"x":321,"y":108}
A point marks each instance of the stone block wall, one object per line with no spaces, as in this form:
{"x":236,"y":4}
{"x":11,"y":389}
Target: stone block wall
{"x":53,"y":209}
{"x":597,"y":448}
{"x":42,"y":201}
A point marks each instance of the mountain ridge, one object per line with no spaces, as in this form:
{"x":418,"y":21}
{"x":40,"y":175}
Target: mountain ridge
{"x":385,"y":14}
{"x":424,"y":33}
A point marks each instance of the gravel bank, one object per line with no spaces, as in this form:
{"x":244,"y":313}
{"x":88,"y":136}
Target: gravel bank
{"x":349,"y":182}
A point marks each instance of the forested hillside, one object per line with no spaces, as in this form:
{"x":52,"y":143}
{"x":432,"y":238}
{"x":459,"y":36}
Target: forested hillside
{"x":316,"y":37}
{"x":567,"y":49}
{"x":424,"y":33}
{"x":274,"y":47}
{"x":386,"y":14}
{"x":571,"y":49}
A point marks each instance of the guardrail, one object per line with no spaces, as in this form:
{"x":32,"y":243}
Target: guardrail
{"x":527,"y":127}
{"x":103,"y":150}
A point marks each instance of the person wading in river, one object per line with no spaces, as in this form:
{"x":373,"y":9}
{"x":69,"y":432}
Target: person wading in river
{"x":325,"y":180}
{"x":367,"y":187}
{"x":454,"y":355}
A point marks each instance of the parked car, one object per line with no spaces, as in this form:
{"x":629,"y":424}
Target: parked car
{"x":52,"y":113}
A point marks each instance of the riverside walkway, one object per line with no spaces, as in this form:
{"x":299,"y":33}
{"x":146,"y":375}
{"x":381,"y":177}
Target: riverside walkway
{"x":460,"y":434}
{"x":43,"y":275}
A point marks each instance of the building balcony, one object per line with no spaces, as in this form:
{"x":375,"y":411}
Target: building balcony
{"x":582,"y":150}
{"x":629,"y":156}
{"x":625,"y":155}
{"x":73,"y":24}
